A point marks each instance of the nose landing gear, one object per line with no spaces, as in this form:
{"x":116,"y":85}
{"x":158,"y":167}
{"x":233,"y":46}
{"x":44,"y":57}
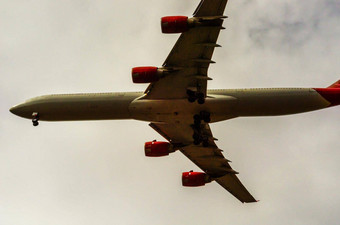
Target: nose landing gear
{"x":35,"y":119}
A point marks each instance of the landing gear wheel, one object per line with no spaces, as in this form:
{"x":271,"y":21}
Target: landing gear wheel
{"x":201,"y":101}
{"x":197,"y":118}
{"x":196,"y":136}
{"x":205,"y":116}
{"x":191,"y":96}
{"x":35,"y":119}
{"x":190,"y":92}
{"x":200,"y":98}
{"x":207,"y":120}
{"x":191,"y":99}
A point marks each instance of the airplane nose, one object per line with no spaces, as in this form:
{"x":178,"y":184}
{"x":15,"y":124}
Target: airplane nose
{"x":19,"y":110}
{"x":15,"y":110}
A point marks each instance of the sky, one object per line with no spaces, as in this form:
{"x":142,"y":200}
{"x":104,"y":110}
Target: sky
{"x":95,"y":172}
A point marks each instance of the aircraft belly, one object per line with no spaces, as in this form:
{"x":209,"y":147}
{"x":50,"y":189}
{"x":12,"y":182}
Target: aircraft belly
{"x":181,"y":110}
{"x":82,"y":111}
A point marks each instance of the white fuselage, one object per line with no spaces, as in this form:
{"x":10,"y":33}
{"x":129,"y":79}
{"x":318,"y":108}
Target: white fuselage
{"x":222,"y":105}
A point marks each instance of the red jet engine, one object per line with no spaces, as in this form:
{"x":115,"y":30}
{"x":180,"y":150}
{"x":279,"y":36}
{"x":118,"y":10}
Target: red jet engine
{"x":146,"y":74}
{"x":174,"y":24}
{"x":157,"y":148}
{"x":194,"y":179}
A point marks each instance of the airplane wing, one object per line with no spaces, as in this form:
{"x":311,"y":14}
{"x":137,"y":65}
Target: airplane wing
{"x":189,"y":59}
{"x":210,"y":159}
{"x":188,"y":64}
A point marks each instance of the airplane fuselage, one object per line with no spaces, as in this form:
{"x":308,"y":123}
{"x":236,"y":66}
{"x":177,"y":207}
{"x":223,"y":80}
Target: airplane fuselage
{"x":222,"y":105}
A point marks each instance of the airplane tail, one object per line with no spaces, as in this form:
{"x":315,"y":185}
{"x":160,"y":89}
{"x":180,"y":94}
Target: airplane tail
{"x":335,"y":85}
{"x":331,"y":93}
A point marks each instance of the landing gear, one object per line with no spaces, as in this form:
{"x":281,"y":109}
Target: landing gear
{"x":197,"y":121}
{"x":205,"y":142}
{"x":193,"y":96}
{"x":200,"y":98}
{"x":205,"y":116}
{"x":201,"y":101}
{"x":191,"y":99}
{"x":198,"y":136}
{"x":35,"y":119}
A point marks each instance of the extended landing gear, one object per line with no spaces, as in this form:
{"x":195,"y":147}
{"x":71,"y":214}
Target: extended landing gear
{"x":200,"y":98}
{"x":35,"y":119}
{"x":198,"y":136}
{"x":193,"y":96}
{"x":205,"y":116}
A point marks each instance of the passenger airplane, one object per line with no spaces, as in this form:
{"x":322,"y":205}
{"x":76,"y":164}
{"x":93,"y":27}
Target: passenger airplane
{"x":178,"y":105}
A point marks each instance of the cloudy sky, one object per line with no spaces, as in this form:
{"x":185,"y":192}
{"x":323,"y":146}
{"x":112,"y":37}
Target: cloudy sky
{"x":96,"y":173}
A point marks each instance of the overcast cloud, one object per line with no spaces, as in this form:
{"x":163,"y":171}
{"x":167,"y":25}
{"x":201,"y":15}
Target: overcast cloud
{"x":96,"y":173}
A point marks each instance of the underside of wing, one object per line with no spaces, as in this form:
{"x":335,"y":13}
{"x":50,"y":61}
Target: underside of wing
{"x":210,"y":8}
{"x":208,"y":158}
{"x":187,"y":64}
{"x":232,"y":184}
{"x":184,"y":75}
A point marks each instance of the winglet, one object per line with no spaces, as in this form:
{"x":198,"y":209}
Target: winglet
{"x":335,"y":85}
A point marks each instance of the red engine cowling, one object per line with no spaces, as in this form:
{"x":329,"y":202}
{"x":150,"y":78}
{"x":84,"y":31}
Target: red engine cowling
{"x":174,"y":24}
{"x":157,"y":148}
{"x":194,"y":179}
{"x":145,"y":74}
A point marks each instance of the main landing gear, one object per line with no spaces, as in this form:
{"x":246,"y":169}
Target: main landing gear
{"x":193,"y":96}
{"x":199,"y":136}
{"x":35,"y":119}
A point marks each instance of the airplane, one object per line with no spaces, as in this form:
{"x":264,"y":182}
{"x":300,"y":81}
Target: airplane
{"x":178,"y":105}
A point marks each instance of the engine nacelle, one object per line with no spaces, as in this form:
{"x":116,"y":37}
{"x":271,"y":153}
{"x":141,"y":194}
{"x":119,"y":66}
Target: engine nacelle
{"x":157,"y":148}
{"x":194,"y":179}
{"x":146,"y":74}
{"x":180,"y":24}
{"x":174,"y":24}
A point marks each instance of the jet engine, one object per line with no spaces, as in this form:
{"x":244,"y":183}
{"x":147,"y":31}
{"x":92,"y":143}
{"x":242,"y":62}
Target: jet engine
{"x":174,"y":24}
{"x":180,"y":24}
{"x":194,"y":179}
{"x":146,"y":74}
{"x":157,"y":148}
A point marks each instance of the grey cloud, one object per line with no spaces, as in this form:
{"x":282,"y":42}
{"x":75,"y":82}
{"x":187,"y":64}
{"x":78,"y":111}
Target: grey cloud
{"x":291,"y":26}
{"x":96,"y":173}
